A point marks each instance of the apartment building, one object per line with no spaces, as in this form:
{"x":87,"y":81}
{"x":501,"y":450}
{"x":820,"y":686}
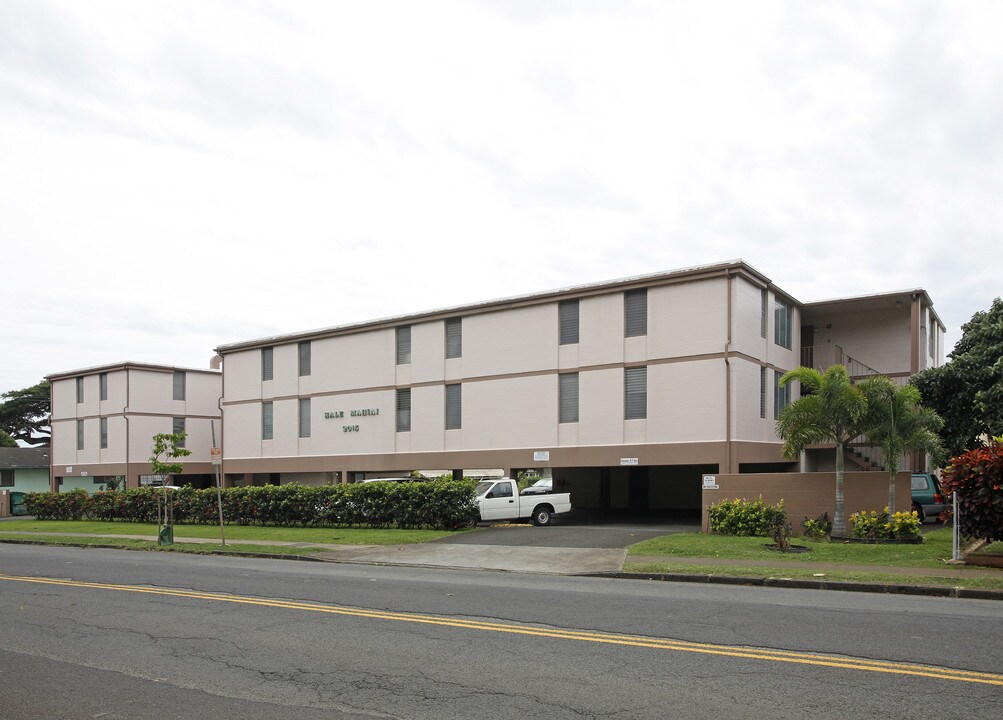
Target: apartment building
{"x":104,"y":419}
{"x":626,"y":391}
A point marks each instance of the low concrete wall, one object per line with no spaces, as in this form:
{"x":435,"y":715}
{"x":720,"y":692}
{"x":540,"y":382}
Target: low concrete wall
{"x":811,"y":494}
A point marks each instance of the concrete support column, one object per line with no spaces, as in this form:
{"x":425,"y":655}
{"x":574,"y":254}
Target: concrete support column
{"x":458,"y":474}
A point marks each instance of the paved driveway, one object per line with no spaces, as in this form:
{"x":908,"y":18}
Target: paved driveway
{"x":594,"y":532}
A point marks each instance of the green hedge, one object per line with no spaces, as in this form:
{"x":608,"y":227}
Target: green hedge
{"x":441,"y":505}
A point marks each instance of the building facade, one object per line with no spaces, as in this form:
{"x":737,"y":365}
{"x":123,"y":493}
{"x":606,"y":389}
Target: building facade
{"x":627,"y":391}
{"x":22,"y":470}
{"x":104,"y":419}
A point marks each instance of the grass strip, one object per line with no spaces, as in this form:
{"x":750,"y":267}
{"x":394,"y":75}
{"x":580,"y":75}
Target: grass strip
{"x":335,"y":535}
{"x":931,"y":553}
{"x":133,"y":544}
{"x":986,"y":583}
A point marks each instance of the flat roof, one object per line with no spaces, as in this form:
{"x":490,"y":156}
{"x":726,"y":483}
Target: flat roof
{"x":862,"y":303}
{"x":666,"y":277}
{"x":126,"y":365}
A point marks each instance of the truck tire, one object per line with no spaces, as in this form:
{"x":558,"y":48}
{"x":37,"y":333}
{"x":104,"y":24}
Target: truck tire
{"x":542,"y":515}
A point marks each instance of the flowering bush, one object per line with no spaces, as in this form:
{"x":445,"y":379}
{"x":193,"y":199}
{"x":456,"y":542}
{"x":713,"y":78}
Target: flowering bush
{"x":977,"y":478}
{"x":875,"y":525}
{"x":742,"y":517}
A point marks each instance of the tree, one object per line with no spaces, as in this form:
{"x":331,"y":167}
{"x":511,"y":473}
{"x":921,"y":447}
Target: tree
{"x":170,"y":447}
{"x":24,"y":414}
{"x":6,"y":440}
{"x":897,"y":423}
{"x":830,"y":410}
{"x":967,"y":391}
{"x":977,"y":478}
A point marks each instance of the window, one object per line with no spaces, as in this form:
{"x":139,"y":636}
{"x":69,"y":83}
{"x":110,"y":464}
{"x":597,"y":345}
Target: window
{"x":933,"y":338}
{"x":104,"y":433}
{"x":6,"y":478}
{"x":267,"y":368}
{"x":80,"y":434}
{"x":567,"y":316}
{"x":501,"y":490}
{"x":304,"y":417}
{"x":80,"y":390}
{"x":454,"y":414}
{"x":782,"y":320}
{"x":454,"y":337}
{"x":103,"y":385}
{"x":635,"y":381}
{"x":266,"y":420}
{"x":179,"y":429}
{"x":404,"y":410}
{"x":179,"y":384}
{"x":567,"y":397}
{"x":404,"y":345}
{"x":781,"y":394}
{"x":762,"y":392}
{"x":304,"y":358}
{"x":763,"y":302}
{"x":635,"y":313}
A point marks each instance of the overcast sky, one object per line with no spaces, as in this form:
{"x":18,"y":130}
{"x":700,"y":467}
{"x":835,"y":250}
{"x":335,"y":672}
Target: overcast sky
{"x":179,"y":175}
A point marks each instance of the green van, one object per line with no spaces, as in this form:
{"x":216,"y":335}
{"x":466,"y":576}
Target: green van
{"x":927,"y":499}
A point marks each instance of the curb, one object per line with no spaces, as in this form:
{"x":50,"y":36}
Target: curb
{"x":789,"y":583}
{"x":228,"y":553}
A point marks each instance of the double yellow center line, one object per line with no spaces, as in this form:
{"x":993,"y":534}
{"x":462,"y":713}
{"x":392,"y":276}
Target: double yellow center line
{"x":782,"y":656}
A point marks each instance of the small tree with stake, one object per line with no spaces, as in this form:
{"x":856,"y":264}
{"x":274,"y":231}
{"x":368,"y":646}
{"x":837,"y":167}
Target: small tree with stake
{"x":167,"y":447}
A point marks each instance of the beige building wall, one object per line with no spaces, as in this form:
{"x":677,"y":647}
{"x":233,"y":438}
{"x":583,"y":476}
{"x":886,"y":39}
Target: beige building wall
{"x":140,"y":404}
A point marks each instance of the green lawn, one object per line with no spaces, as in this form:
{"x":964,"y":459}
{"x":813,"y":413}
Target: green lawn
{"x":935,"y":549}
{"x":338,"y":536}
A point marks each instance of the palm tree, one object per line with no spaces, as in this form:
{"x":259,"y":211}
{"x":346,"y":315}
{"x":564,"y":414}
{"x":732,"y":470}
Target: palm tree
{"x":897,"y":423}
{"x":831,"y":409}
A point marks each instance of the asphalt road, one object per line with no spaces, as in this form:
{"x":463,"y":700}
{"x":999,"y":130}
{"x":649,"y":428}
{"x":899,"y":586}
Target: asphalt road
{"x":110,"y":634}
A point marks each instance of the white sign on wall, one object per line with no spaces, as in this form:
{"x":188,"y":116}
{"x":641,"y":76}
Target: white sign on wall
{"x":628,"y":461}
{"x":710,"y":482}
{"x":541,"y":456}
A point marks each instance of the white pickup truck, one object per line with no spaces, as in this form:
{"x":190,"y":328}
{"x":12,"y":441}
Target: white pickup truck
{"x":500,"y":500}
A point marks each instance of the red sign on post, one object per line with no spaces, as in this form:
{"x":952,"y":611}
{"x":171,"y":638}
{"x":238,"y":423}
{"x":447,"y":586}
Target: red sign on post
{"x":216,"y":455}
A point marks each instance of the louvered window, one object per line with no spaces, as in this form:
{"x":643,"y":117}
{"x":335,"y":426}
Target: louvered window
{"x":782,"y":319}
{"x":567,"y":312}
{"x":763,"y":301}
{"x":933,"y":338}
{"x":80,"y":434}
{"x":304,"y":358}
{"x":762,"y":392}
{"x":454,"y":409}
{"x":103,"y":386}
{"x":404,"y":410}
{"x":179,"y":384}
{"x":567,"y":397}
{"x":104,"y":433}
{"x":781,"y":394}
{"x":267,"y":366}
{"x":80,"y":390}
{"x":635,"y":313}
{"x":267,"y":421}
{"x":404,"y":345}
{"x":304,"y":417}
{"x":635,"y":393}
{"x":178,"y":428}
{"x":454,"y":337}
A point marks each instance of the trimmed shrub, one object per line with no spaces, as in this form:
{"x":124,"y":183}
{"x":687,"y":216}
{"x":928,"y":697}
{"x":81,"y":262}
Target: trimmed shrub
{"x":742,"y":517}
{"x":442,"y":505}
{"x":817,"y":528}
{"x":875,"y":525}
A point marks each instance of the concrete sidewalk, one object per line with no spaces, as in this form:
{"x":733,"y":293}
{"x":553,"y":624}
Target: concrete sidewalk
{"x":549,"y":560}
